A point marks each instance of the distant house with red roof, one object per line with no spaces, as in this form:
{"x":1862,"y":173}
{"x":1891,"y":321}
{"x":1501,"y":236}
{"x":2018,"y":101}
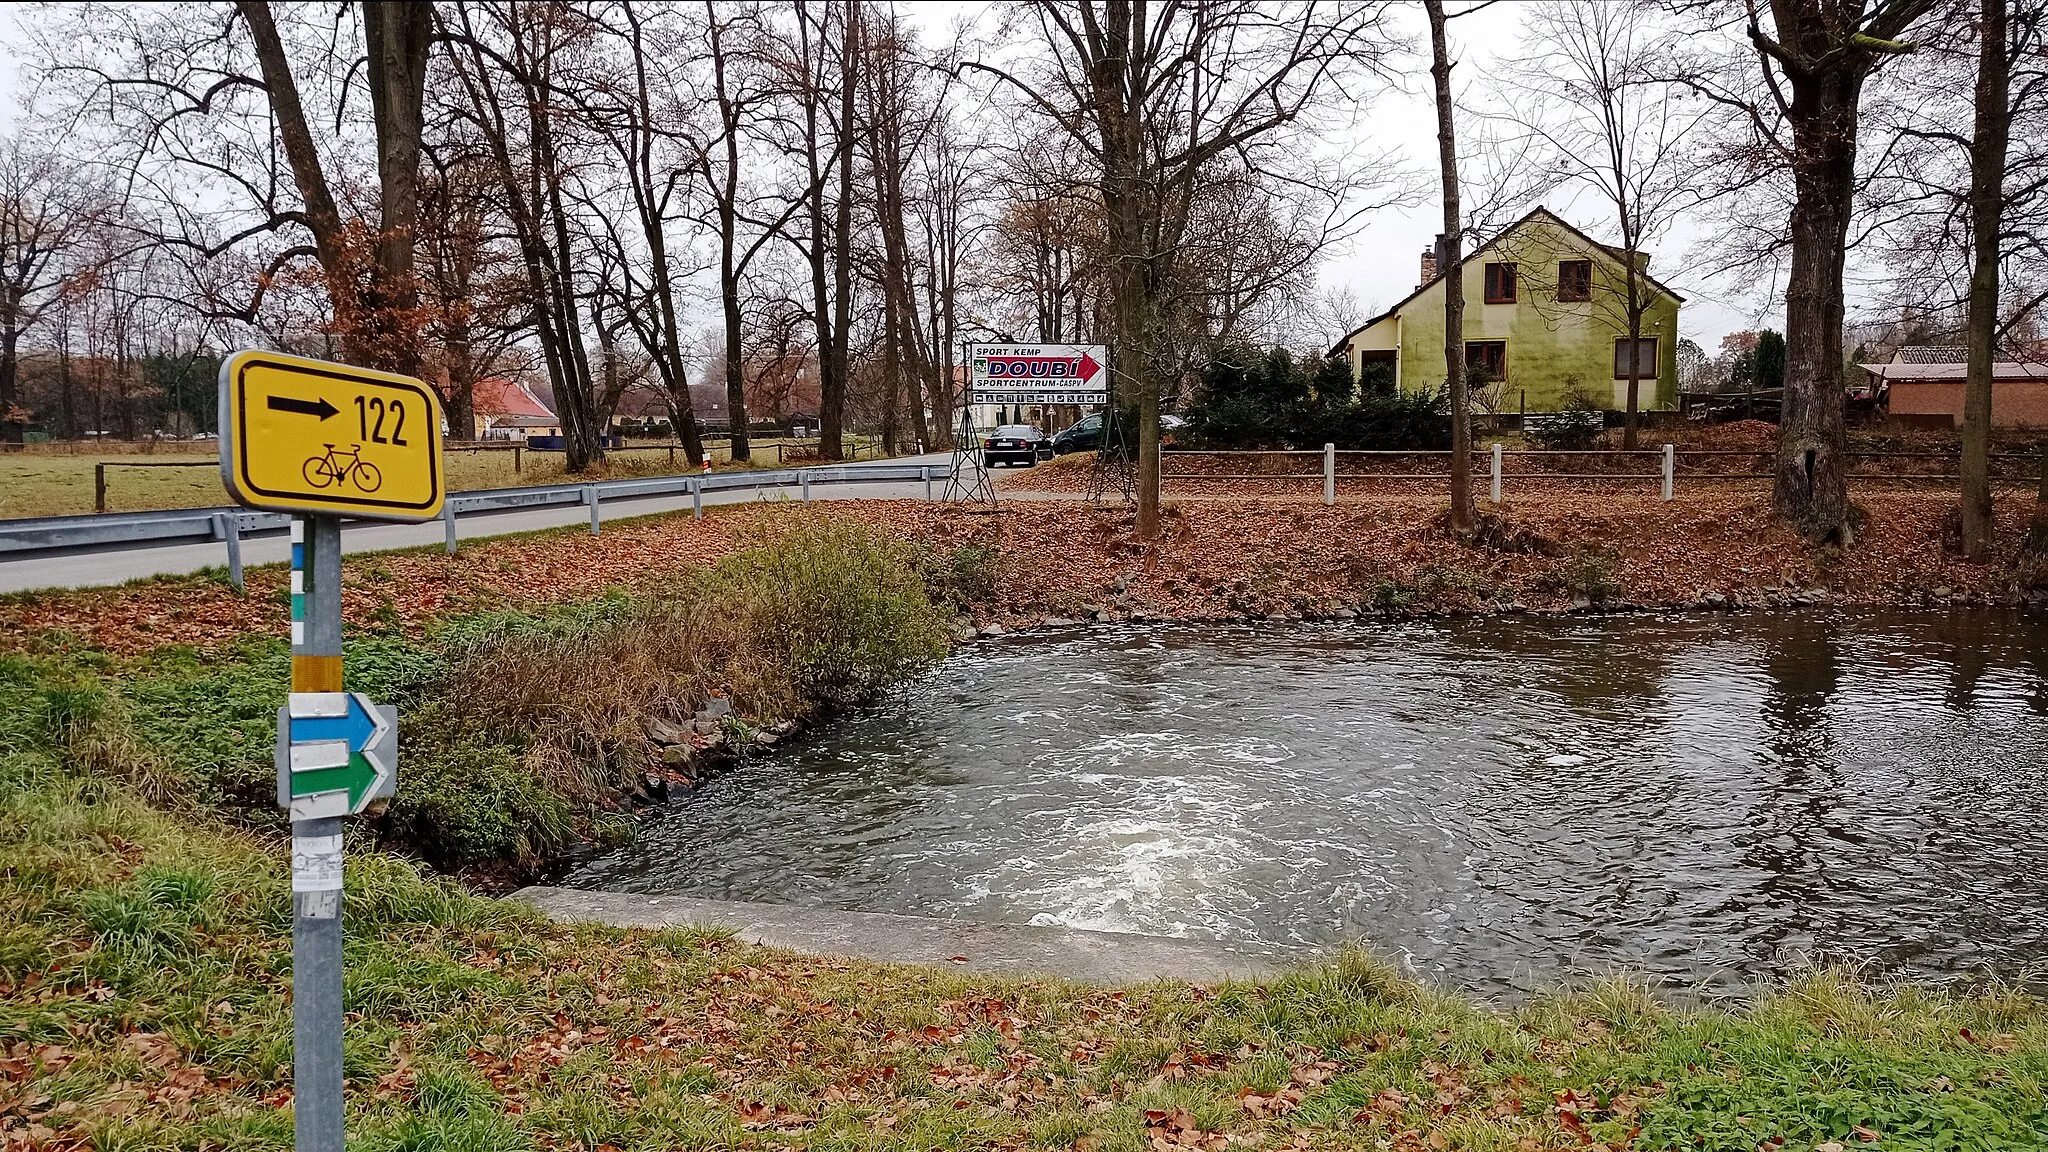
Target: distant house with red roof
{"x":508,"y":410}
{"x":1923,"y":384}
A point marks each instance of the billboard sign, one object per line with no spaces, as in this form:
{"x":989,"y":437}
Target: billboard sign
{"x":1037,"y":374}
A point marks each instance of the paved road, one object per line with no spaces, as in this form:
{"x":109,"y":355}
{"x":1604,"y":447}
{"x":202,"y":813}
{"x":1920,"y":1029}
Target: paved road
{"x":100,"y":568}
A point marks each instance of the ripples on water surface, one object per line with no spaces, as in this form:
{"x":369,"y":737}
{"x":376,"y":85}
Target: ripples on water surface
{"x":1498,"y":802}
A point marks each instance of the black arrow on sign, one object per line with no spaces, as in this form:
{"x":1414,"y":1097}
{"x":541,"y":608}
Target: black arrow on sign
{"x":320,"y":407}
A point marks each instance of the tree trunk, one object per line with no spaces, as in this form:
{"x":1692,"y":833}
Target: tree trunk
{"x":1825,"y":52}
{"x":461,"y":382}
{"x":1631,"y":424}
{"x":67,"y":400}
{"x":1450,"y":264}
{"x":1987,"y":187}
{"x":13,"y":429}
{"x":834,"y":380}
{"x":2037,"y":529}
{"x":892,"y":384}
{"x":1811,"y":488}
{"x":397,"y":36}
{"x":1130,"y":202}
{"x":735,"y":368}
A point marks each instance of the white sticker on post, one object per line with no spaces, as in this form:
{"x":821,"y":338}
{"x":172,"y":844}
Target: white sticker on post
{"x":316,"y":863}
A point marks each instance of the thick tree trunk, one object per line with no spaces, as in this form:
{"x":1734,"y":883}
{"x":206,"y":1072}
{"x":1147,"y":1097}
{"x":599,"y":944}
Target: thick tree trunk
{"x":1136,"y":394}
{"x":2037,"y":528}
{"x":397,"y":36}
{"x":1632,"y":421}
{"x":834,"y":377}
{"x":1811,"y":488}
{"x":373,"y":301}
{"x":892,"y":384}
{"x":67,"y":399}
{"x":13,"y":429}
{"x":461,"y":409}
{"x":1987,"y":187}
{"x":735,"y":370}
{"x":1450,"y":263}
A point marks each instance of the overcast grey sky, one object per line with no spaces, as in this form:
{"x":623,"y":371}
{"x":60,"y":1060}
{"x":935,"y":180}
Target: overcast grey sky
{"x":1378,"y":264}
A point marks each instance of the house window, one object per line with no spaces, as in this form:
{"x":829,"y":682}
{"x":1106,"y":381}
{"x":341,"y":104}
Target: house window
{"x":1646,"y":358}
{"x":1491,"y":355}
{"x":1500,"y":283}
{"x":1574,"y":280}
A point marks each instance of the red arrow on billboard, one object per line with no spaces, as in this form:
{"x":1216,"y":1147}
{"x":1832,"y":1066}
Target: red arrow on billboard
{"x":1086,"y":368}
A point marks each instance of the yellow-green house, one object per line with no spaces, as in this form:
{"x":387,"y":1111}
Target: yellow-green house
{"x":1545,"y":313}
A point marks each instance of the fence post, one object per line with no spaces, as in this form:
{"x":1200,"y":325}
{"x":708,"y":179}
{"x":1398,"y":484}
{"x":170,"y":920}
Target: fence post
{"x":1329,"y":473}
{"x":516,"y":450}
{"x":590,"y":498}
{"x":1669,"y":454}
{"x":697,"y":498}
{"x":926,"y":473}
{"x":803,"y":479}
{"x":1496,"y":471}
{"x":229,"y":527}
{"x":448,"y":522}
{"x":99,"y":487}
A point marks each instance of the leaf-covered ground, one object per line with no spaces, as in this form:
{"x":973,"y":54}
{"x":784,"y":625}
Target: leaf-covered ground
{"x":1216,"y":558}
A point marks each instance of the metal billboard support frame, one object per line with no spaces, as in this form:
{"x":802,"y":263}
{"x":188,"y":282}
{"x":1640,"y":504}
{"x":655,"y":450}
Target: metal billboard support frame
{"x":1116,"y":463}
{"x":967,"y":475}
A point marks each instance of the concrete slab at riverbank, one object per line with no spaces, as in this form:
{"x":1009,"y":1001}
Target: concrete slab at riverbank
{"x":998,"y":949}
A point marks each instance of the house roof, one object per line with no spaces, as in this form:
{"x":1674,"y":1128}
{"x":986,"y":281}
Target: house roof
{"x":1896,"y":372}
{"x":497,"y":396}
{"x":549,"y":420}
{"x":1479,"y":250}
{"x":1931,"y":354}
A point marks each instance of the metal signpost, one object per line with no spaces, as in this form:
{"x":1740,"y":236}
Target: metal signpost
{"x":1024,"y":374}
{"x":324,"y":440}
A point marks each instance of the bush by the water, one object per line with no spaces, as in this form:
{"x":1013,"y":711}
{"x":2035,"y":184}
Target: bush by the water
{"x":1249,"y":398}
{"x":520,"y":729}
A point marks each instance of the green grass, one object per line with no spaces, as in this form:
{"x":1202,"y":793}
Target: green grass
{"x":144,"y":971}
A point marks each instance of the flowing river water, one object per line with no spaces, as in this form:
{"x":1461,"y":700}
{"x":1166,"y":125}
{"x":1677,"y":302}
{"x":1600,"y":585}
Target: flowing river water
{"x":1499,"y":804}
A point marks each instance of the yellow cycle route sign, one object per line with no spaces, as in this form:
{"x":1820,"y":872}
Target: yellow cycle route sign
{"x":302,"y":435}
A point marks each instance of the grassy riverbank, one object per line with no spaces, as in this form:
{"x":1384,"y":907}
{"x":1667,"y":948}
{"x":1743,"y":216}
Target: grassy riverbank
{"x":144,"y":960}
{"x":144,"y":905}
{"x":528,"y":727}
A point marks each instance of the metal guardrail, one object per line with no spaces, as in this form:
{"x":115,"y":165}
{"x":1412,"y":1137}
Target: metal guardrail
{"x":229,"y":524}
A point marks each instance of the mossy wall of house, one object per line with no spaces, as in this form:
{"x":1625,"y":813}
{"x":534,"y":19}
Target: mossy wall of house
{"x":1549,"y":342}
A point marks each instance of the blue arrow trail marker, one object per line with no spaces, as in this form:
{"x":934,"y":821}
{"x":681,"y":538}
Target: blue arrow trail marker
{"x":337,"y":753}
{"x":357,"y":725}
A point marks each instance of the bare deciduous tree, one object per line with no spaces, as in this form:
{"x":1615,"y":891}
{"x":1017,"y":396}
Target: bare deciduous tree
{"x":52,"y":220}
{"x":1797,"y":109}
{"x":1154,"y":95}
{"x":1591,"y":101}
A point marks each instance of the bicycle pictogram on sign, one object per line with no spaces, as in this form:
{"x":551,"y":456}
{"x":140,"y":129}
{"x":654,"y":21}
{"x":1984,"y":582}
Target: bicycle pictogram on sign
{"x":337,"y":468}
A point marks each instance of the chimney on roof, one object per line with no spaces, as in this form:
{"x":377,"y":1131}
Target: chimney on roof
{"x":1428,"y":267}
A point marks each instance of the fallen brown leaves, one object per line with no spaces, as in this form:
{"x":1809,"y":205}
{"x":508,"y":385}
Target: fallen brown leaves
{"x":1214,"y":559}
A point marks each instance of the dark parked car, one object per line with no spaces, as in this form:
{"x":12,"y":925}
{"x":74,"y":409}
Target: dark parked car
{"x":1015,"y":444}
{"x":1086,"y":436}
{"x":1082,"y":436}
